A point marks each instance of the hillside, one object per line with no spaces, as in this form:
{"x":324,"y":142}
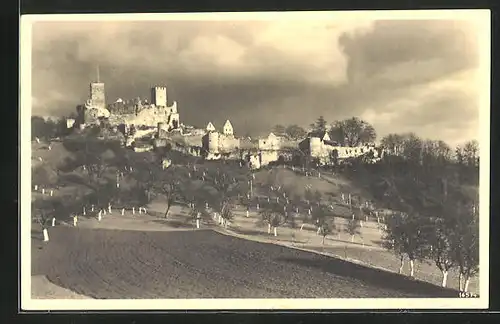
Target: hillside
{"x":53,"y":157}
{"x":362,"y":185}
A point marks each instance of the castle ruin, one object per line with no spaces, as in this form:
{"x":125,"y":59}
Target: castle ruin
{"x":321,"y":147}
{"x":129,"y":112}
{"x":216,"y":144}
{"x":158,"y":120}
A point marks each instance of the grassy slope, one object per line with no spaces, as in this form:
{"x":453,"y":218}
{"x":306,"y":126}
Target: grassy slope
{"x":51,"y":158}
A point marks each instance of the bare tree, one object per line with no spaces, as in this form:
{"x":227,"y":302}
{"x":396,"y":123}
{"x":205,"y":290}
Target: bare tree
{"x":466,"y":245}
{"x":403,"y":236}
{"x":353,"y":132}
{"x":279,"y":129}
{"x":295,"y":132}
{"x":393,"y":143}
{"x":246,"y":202}
{"x":468,"y":154}
{"x":327,"y":227}
{"x":45,"y":176}
{"x":440,"y":246}
{"x":43,"y":211}
{"x":275,"y":215}
{"x":224,"y":187}
{"x":98,"y":165}
{"x":324,"y":221}
{"x":319,"y":125}
{"x":197,"y":207}
{"x":353,"y":228}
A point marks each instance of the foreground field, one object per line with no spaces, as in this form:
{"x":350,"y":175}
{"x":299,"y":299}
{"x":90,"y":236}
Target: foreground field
{"x":205,"y":264}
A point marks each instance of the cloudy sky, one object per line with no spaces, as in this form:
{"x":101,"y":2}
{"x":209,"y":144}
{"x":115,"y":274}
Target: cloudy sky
{"x":399,"y":75}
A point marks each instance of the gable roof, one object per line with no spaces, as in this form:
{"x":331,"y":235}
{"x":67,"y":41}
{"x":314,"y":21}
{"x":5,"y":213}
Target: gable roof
{"x":210,"y":127}
{"x":227,"y":124}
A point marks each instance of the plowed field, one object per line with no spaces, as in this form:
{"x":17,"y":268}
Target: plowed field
{"x":204,"y":264}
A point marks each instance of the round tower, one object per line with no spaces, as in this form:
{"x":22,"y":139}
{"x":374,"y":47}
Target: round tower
{"x":213,"y":142}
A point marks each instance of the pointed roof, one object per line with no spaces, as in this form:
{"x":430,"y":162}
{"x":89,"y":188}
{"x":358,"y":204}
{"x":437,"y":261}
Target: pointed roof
{"x":210,"y":127}
{"x":271,"y":135}
{"x":227,"y":124}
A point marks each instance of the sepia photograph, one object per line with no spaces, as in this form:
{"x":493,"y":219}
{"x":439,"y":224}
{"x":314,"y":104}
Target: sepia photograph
{"x":265,"y":160}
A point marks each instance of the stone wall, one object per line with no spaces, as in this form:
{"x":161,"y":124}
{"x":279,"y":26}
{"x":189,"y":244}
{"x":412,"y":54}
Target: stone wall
{"x":228,"y":143}
{"x":269,"y":143}
{"x":268,"y":157}
{"x":160,"y":142}
{"x":149,"y":115}
{"x":143,"y":148}
{"x":193,"y":140}
{"x":317,"y":148}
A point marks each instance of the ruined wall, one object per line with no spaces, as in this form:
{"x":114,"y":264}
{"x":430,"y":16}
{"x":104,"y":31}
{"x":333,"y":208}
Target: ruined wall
{"x":195,"y":139}
{"x":228,"y":143}
{"x":215,"y":142}
{"x":288,"y":143}
{"x":268,"y":157}
{"x":160,"y":142}
{"x":123,"y":108}
{"x":148,"y":116}
{"x":350,"y":152}
{"x":189,"y":150}
{"x":318,"y":149}
{"x":270,"y":143}
{"x":173,"y":120}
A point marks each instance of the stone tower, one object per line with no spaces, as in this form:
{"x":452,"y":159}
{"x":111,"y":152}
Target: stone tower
{"x":159,"y":96}
{"x":213,"y":142}
{"x":97,"y":93}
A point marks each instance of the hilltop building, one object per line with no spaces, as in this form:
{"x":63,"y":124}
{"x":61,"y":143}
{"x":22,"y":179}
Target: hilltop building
{"x":319,"y":146}
{"x":217,"y":143}
{"x":271,"y":142}
{"x":129,"y":112}
{"x":158,"y":123}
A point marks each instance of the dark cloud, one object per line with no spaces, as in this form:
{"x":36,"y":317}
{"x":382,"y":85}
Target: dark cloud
{"x":399,"y":75}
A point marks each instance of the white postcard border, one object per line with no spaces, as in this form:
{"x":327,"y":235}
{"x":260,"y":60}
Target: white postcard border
{"x":483,"y":19}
